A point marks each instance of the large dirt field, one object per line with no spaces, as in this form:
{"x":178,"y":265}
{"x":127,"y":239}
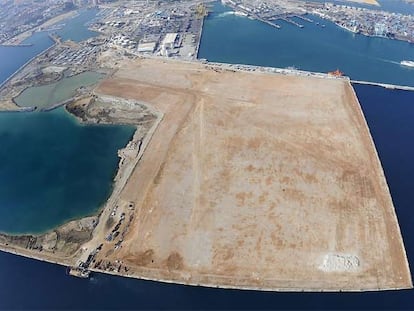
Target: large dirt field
{"x":255,"y":180}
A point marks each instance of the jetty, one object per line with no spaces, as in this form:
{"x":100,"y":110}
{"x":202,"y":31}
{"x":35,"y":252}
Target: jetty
{"x":290,"y":21}
{"x":268,"y":22}
{"x":302,"y":17}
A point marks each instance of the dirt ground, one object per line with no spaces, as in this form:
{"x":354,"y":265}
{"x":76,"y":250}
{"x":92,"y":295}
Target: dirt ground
{"x":254,"y":180}
{"x":371,"y":2}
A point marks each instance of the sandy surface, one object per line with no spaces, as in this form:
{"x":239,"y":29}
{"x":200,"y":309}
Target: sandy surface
{"x":371,"y":2}
{"x":252,"y":180}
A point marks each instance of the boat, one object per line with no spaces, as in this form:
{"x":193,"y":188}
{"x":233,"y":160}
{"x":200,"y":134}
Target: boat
{"x":408,"y":63}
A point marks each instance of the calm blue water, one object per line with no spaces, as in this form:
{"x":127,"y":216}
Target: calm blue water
{"x":30,"y":284}
{"x":76,"y":28}
{"x":235,"y":39}
{"x":52,"y":169}
{"x":12,"y":58}
{"x":35,"y":162}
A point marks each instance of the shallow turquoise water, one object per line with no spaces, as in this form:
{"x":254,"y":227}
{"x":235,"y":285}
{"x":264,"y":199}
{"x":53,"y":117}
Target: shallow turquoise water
{"x":53,"y":169}
{"x":51,"y":94}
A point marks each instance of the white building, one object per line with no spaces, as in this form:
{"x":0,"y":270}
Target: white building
{"x":147,"y":47}
{"x":169,"y":40}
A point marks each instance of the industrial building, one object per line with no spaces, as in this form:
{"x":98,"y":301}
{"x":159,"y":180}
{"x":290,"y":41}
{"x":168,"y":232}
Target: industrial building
{"x":146,"y":47}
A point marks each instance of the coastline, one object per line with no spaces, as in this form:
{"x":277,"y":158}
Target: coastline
{"x":369,"y":2}
{"x":76,"y":97}
{"x":55,"y":42}
{"x":199,"y":37}
{"x":34,"y":245}
{"x":346,"y":28}
{"x":18,"y":39}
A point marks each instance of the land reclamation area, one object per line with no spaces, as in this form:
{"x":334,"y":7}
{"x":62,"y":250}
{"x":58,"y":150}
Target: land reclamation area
{"x":249,"y":180}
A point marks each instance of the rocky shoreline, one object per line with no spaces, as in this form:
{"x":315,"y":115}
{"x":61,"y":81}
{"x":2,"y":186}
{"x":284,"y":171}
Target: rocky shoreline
{"x":63,"y":244}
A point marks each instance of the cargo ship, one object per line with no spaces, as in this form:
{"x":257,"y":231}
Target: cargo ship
{"x":408,"y":63}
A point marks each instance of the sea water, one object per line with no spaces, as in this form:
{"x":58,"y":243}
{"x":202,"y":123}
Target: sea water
{"x":54,"y":169}
{"x":237,"y":39}
{"x":76,"y":28}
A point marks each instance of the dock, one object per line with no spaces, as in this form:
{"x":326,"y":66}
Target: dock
{"x":302,"y":17}
{"x":290,"y":21}
{"x":268,"y":22}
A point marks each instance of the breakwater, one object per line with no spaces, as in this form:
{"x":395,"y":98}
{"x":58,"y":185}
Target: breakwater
{"x":18,"y":45}
{"x":385,"y":85}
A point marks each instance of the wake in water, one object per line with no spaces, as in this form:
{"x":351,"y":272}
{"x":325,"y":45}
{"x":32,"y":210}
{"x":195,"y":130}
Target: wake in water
{"x":404,"y":66}
{"x":224,"y":14}
{"x":221,"y":15}
{"x":388,"y":61}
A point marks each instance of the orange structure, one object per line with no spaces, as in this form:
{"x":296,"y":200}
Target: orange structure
{"x":336,"y":73}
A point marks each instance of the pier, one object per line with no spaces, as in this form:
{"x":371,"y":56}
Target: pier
{"x":385,"y":85}
{"x":302,"y":17}
{"x":268,"y":22}
{"x":287,"y":20}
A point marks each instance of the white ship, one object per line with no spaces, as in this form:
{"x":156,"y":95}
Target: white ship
{"x":408,"y":63}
